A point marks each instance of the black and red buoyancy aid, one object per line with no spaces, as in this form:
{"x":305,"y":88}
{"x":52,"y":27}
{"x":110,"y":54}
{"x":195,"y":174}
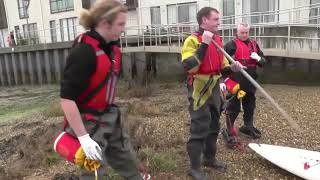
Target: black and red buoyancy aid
{"x":243,"y":52}
{"x":107,"y":69}
{"x":213,"y":59}
{"x":101,"y":90}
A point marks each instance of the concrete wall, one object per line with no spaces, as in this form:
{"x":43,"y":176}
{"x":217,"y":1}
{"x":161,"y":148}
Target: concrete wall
{"x":40,"y":64}
{"x":147,"y":66}
{"x":280,"y":39}
{"x":43,"y":64}
{"x":281,"y":70}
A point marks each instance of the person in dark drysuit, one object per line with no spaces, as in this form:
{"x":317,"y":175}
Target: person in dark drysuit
{"x":246,"y":51}
{"x":88,"y":92}
{"x":204,"y":64}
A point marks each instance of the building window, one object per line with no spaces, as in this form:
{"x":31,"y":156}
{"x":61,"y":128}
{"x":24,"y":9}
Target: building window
{"x":264,"y":10}
{"x":86,"y":4}
{"x":131,"y":4}
{"x":53,"y":31}
{"x":23,"y":8}
{"x":314,"y":12}
{"x":3,"y":17}
{"x":155,"y":15}
{"x":17,"y":34}
{"x":61,"y":5}
{"x":228,"y":12}
{"x":182,"y":13}
{"x":30,"y":32}
{"x":68,"y":29}
{"x":2,"y":38}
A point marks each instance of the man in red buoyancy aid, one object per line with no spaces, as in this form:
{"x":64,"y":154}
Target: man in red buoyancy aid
{"x":88,"y":92}
{"x":205,"y":64}
{"x":246,"y":51}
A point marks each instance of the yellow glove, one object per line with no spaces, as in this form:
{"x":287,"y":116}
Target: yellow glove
{"x":241,"y":94}
{"x":88,"y":164}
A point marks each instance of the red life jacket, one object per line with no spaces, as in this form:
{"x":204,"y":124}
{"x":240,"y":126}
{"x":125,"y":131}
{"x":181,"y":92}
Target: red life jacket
{"x":243,"y":52}
{"x":105,"y":68}
{"x":213,"y":59}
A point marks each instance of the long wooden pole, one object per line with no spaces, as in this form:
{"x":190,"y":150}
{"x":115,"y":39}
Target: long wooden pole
{"x":291,"y":122}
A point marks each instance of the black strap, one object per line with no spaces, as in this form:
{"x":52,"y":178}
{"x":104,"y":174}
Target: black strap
{"x":250,"y":46}
{"x":102,"y":83}
{"x":205,"y":89}
{"x":92,"y":111}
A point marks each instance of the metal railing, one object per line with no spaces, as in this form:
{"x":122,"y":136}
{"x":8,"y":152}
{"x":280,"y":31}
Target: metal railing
{"x":288,"y":36}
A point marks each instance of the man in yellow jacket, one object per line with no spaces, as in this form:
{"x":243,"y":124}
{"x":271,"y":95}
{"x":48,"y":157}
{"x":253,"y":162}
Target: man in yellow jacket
{"x":205,"y":64}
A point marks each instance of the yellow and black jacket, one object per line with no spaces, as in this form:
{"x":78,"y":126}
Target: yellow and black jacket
{"x":205,"y":64}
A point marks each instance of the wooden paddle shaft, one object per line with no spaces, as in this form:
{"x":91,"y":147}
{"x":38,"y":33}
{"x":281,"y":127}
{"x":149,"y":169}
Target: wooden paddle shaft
{"x":291,"y":122}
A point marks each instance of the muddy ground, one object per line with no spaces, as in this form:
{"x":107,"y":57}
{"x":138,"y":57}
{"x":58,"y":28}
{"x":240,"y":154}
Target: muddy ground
{"x":157,"y":120}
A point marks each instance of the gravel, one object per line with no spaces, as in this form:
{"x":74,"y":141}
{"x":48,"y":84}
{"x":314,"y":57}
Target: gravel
{"x":170,"y":129}
{"x":160,"y":120}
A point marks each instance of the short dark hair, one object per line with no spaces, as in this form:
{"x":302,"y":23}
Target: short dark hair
{"x":205,"y":12}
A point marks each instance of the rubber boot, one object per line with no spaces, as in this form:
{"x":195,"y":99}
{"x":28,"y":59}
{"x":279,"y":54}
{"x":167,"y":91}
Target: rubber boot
{"x":230,"y":140}
{"x":197,"y":174}
{"x":194,"y":149}
{"x":215,"y":164}
{"x":250,"y":132}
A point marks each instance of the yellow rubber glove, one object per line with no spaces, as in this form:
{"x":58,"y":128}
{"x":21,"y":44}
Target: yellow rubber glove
{"x":88,"y":164}
{"x":241,"y":94}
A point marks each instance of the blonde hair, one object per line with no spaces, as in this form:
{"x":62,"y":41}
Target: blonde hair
{"x":102,"y":9}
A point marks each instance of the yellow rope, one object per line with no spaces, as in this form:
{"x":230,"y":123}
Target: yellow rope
{"x":96,"y":173}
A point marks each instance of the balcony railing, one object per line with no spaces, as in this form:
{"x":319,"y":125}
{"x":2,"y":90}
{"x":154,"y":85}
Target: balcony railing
{"x":289,"y":35}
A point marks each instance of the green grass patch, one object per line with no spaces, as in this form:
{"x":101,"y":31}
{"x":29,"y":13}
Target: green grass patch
{"x":156,"y":162}
{"x":51,"y":157}
{"x":53,"y":109}
{"x":164,"y":161}
{"x":19,"y":102}
{"x":18,"y":111}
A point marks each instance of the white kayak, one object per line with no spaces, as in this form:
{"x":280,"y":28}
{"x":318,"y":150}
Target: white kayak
{"x":303,"y":163}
